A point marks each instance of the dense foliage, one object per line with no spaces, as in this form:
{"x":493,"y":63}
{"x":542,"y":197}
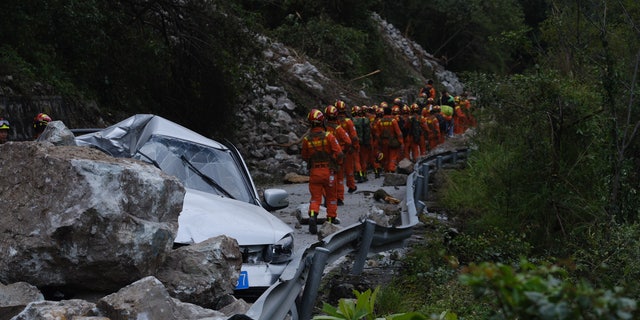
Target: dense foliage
{"x":163,"y":57}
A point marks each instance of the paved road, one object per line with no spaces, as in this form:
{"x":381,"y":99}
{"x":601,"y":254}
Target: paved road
{"x":356,"y":205}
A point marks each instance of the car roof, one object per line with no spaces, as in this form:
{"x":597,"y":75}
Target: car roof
{"x":124,"y":138}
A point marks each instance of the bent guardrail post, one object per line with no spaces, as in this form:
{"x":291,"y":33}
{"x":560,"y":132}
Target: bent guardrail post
{"x":310,"y":292}
{"x":425,"y":181}
{"x":365,"y":244}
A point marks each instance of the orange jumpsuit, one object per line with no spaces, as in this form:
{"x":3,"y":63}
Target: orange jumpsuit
{"x":412,"y":138}
{"x":459,"y":120}
{"x":388,"y":132}
{"x":432,"y":129}
{"x":352,"y":155}
{"x":322,"y":152}
{"x":466,"y":108}
{"x":345,"y":143}
{"x":429,"y":90}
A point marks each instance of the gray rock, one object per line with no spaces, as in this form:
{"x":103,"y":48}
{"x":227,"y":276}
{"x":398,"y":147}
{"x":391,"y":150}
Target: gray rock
{"x":147,"y":298}
{"x":394,"y":179}
{"x":82,"y":218}
{"x":204,"y":272}
{"x":15,"y":297}
{"x":58,"y":134}
{"x":405,"y":166}
{"x":66,"y":309}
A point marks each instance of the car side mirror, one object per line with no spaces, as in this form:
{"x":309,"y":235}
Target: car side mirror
{"x":274,"y":199}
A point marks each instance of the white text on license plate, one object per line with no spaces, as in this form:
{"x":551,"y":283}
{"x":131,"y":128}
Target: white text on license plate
{"x":243,"y":281}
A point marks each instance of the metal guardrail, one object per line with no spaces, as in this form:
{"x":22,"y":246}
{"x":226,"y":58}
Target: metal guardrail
{"x":293,"y":296}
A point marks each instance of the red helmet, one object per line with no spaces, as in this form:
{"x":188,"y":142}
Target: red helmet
{"x":315,"y":117}
{"x":406,"y":109}
{"x":415,"y":108}
{"x":41,"y":120}
{"x":331,"y":112}
{"x":341,"y":106}
{"x":356,"y":111}
{"x":395,"y":110}
{"x":380,"y":111}
{"x":383,"y":104}
{"x":397,"y":101}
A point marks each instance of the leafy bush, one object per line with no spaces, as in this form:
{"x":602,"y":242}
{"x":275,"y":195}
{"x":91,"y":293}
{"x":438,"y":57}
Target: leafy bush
{"x":608,"y":255}
{"x":493,"y":245}
{"x":544,"y":292}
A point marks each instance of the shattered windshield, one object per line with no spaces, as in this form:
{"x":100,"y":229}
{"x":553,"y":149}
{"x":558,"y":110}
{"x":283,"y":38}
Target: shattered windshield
{"x":211,"y":163}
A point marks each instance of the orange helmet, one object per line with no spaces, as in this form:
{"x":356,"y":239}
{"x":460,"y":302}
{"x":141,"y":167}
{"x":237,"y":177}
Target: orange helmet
{"x":331,"y":112}
{"x":341,"y":106}
{"x":406,"y":109}
{"x":355,"y":110}
{"x":315,"y":117}
{"x":415,"y":108}
{"x":383,"y":104}
{"x":435,"y":108}
{"x":397,"y":101}
{"x":380,"y":111}
{"x":41,"y":121}
{"x":395,"y":110}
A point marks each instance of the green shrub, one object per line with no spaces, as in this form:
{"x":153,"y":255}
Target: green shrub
{"x":608,"y":254}
{"x":544,"y":292}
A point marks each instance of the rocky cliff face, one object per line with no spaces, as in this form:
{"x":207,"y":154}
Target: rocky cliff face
{"x":270,"y":136}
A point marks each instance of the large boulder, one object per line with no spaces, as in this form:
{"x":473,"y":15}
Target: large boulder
{"x":77,"y":217}
{"x":203,"y":273}
{"x":149,"y":299}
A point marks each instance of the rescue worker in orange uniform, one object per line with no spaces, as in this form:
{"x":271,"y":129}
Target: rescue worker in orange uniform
{"x":390,"y":140}
{"x":333,"y":125}
{"x":376,"y":154}
{"x":40,"y":122}
{"x":435,"y":110}
{"x":459,"y":117}
{"x":467,"y":109}
{"x":352,"y":155}
{"x":363,"y":129}
{"x":412,"y":147}
{"x":431,"y":129}
{"x":429,"y":90}
{"x":322,"y":152}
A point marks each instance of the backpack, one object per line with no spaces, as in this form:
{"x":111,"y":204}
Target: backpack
{"x":416,"y":130}
{"x":363,"y":128}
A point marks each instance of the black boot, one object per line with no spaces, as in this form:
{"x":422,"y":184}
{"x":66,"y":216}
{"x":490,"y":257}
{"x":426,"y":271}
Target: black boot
{"x":313,"y":223}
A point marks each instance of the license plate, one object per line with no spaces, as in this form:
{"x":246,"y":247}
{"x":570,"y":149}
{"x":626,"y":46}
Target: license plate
{"x":243,"y":281}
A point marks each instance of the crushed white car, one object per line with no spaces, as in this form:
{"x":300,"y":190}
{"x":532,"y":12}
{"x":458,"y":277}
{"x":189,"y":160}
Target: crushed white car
{"x":220,"y":199}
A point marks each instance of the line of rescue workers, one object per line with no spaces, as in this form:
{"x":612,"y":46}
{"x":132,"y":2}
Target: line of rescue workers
{"x":374,"y":138}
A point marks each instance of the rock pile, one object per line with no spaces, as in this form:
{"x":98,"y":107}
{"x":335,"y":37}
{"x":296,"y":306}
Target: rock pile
{"x":77,"y":221}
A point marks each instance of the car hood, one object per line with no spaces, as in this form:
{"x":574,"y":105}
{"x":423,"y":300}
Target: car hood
{"x":203,"y":214}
